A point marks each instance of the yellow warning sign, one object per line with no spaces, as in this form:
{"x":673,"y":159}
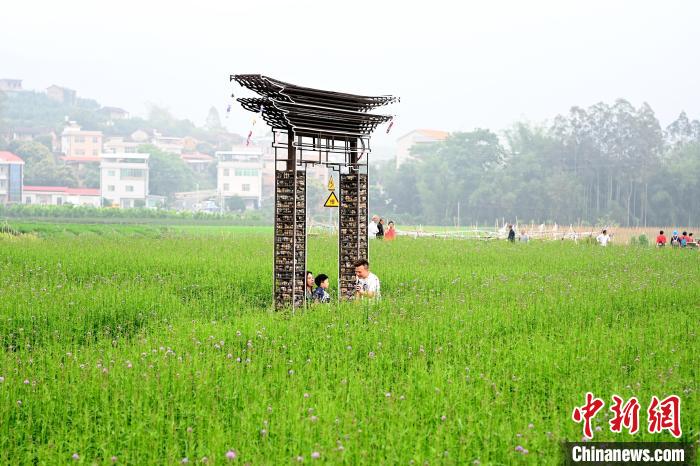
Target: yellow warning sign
{"x":331,"y":185}
{"x":332,"y":201}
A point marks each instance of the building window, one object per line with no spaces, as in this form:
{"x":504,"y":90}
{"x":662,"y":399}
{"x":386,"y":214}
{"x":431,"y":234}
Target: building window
{"x":79,"y":139}
{"x":28,"y":200}
{"x":111,"y":173}
{"x":94,"y":139}
{"x":110,"y":187}
{"x":129,"y":188}
{"x":246,"y":172}
{"x":131,"y":173}
{"x":94,"y":152}
{"x":226,"y":172}
{"x":226,"y":186}
{"x":79,"y":152}
{"x":59,"y":201}
{"x":246,"y":187}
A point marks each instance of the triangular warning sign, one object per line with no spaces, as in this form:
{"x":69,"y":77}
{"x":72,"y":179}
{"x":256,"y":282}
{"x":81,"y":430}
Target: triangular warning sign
{"x":331,"y":184}
{"x":332,"y":201}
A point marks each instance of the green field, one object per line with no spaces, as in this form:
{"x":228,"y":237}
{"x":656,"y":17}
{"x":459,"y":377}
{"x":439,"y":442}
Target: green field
{"x":153,"y":344}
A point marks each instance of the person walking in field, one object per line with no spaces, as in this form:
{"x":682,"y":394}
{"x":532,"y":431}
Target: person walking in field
{"x":366,"y":283}
{"x":511,"y":234}
{"x":372,"y":228}
{"x":603,"y":238}
{"x":523,"y":238}
{"x":661,"y":239}
{"x":390,"y":233}
{"x":380,"y":229}
{"x":321,"y":294}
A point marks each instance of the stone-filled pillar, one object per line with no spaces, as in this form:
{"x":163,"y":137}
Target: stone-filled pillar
{"x":352,"y":238}
{"x":290,"y":237}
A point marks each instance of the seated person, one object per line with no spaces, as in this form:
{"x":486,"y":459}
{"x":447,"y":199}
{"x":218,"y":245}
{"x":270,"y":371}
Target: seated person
{"x":675,"y":239}
{"x":366,"y":283}
{"x":661,"y":239}
{"x":321,"y":294}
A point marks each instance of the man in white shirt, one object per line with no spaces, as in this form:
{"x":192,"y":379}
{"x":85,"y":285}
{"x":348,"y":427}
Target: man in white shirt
{"x":603,"y":238}
{"x":366,"y":283}
{"x":372,"y":228}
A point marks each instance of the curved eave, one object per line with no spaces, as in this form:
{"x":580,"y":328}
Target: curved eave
{"x":309,"y":118}
{"x":282,"y":91}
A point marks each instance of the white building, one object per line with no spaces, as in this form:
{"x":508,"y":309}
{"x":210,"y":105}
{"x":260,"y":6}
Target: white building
{"x":173,"y":145}
{"x":415,"y":138}
{"x":124,"y":179}
{"x":59,"y":195}
{"x":239,"y":173}
{"x":119,"y":144}
{"x":11,"y":177}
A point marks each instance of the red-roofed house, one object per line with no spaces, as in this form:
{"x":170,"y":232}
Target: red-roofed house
{"x":416,"y":137}
{"x":59,"y":195}
{"x":11,"y":177}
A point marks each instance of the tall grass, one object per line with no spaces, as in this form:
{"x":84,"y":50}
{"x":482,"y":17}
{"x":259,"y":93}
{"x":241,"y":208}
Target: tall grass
{"x":162,"y":346}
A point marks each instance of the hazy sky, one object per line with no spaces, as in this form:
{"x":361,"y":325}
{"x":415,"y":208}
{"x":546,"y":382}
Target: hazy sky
{"x":456,"y":65}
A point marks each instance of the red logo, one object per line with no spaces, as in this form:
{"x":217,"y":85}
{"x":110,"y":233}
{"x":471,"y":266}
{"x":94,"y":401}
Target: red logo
{"x":661,"y":415}
{"x":665,"y":415}
{"x":626,"y":416}
{"x":587,"y":412}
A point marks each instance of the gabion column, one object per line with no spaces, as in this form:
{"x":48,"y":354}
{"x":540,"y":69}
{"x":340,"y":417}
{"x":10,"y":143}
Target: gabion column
{"x":352,"y":237}
{"x":290,"y":237}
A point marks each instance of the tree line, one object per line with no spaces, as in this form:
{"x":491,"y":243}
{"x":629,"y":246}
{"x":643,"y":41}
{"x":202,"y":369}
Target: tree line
{"x":601,"y":165}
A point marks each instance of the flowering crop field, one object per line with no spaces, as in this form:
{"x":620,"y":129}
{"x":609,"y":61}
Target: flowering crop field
{"x":159,"y":346}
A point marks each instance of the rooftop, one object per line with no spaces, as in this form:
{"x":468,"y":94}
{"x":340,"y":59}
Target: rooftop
{"x":312,"y":111}
{"x":64,"y":190}
{"x":9,"y":157}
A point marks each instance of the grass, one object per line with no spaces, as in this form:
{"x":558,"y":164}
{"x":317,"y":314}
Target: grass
{"x":153,"y":344}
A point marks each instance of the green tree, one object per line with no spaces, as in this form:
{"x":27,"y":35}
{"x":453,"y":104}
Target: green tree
{"x":168,"y":174}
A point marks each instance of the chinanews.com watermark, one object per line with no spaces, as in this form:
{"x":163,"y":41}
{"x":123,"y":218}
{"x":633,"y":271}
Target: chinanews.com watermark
{"x":603,"y":453}
{"x":662,"y":415}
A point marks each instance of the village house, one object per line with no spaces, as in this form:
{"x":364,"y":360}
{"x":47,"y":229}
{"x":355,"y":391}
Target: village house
{"x":124,"y":179}
{"x":173,"y":145}
{"x":239,"y":173}
{"x":114,"y":113}
{"x":10,"y":85}
{"x":120,"y":144}
{"x":60,"y":195}
{"x":197,"y":161}
{"x":61,"y":94}
{"x":78,"y":145}
{"x":11,"y":178}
